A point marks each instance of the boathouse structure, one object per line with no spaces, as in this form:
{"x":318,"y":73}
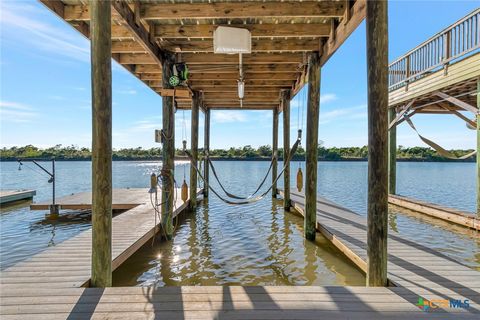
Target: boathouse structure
{"x":290,"y":41}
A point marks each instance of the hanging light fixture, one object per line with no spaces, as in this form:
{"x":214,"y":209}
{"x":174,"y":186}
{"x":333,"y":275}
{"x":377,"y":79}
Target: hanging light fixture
{"x":241,"y":88}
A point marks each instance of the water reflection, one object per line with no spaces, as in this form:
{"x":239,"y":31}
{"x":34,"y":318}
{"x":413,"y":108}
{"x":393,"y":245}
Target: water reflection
{"x":238,"y":246}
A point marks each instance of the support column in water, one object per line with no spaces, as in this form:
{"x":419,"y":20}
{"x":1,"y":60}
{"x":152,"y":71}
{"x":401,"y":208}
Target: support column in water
{"x":377,"y":208}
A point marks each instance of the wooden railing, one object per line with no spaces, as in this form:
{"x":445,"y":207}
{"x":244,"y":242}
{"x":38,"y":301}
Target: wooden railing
{"x":460,"y":39}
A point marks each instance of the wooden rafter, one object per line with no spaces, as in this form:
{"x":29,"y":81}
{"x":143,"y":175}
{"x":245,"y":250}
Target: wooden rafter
{"x":344,"y":30}
{"x":242,"y":10}
{"x":226,"y":76}
{"x":205,"y":58}
{"x":205,"y":31}
{"x":258,"y":45}
{"x":457,"y":102}
{"x":139,"y":32}
{"x":284,"y":34}
{"x":206,"y":68}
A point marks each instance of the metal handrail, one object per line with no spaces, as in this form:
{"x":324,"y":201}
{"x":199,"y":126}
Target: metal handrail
{"x":457,"y":40}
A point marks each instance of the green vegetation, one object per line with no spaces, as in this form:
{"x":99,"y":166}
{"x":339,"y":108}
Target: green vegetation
{"x":244,"y":153}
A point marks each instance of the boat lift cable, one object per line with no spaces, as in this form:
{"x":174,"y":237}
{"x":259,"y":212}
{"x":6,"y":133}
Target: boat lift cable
{"x":248,"y":200}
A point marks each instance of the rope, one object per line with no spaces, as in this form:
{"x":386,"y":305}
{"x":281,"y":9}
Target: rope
{"x":251,"y":200}
{"x":238,"y":197}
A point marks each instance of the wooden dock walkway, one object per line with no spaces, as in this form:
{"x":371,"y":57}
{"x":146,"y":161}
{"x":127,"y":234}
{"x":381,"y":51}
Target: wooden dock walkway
{"x":67,"y":265}
{"x":412,"y":265}
{"x":47,"y":285}
{"x":10,"y":196}
{"x":462,"y":218}
{"x":123,"y":199}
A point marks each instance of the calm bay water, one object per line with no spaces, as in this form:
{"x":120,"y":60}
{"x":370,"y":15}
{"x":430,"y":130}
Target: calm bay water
{"x":257,"y":244}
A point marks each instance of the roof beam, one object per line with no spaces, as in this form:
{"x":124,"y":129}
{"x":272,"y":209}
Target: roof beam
{"x":242,"y":10}
{"x":139,"y":32}
{"x":248,"y":94}
{"x":206,"y":58}
{"x":230,"y":83}
{"x":226,"y":76}
{"x":207,"y":68}
{"x":285,"y":30}
{"x":343,"y":30}
{"x":258,"y":45}
{"x":232,"y":106}
{"x":58,"y":8}
{"x":255,"y":58}
{"x":457,"y":102}
{"x":250,"y":89}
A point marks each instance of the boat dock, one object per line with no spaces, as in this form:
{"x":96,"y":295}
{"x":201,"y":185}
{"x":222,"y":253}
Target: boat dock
{"x":49,"y":284}
{"x":462,"y":218}
{"x":68,"y":265}
{"x":11,"y":196}
{"x":122,"y":199}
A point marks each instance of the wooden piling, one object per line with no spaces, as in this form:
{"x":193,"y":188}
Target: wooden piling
{"x":168,"y":150}
{"x":194,"y":147}
{"x":274,"y":152}
{"x":313,"y":109}
{"x":206,"y":147}
{"x":377,"y":72}
{"x":286,"y":147}
{"x":478,"y":147}
{"x":392,"y":153}
{"x":100,"y":32}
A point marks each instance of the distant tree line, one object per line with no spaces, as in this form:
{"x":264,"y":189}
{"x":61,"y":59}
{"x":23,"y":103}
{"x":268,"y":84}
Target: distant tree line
{"x":248,"y":152}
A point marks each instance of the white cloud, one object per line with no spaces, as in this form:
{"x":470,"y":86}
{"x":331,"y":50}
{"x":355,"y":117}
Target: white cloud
{"x":16,"y":112}
{"x":54,"y":97}
{"x":228,"y":116}
{"x":328,"y":97}
{"x":126,"y":91}
{"x":301,"y":99}
{"x":348,"y":113}
{"x":25,"y":18}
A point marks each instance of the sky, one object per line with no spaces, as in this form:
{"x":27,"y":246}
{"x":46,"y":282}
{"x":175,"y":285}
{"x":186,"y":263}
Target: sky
{"x":45,"y":96}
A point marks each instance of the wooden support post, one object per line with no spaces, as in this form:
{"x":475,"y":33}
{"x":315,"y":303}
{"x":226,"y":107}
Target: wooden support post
{"x":313,"y":109}
{"x":392,"y":153}
{"x":286,"y":148}
{"x":377,"y":209}
{"x":206,"y":147}
{"x":100,"y":31}
{"x":194,"y":147}
{"x":274,"y":152}
{"x":168,"y":150}
{"x":478,"y":148}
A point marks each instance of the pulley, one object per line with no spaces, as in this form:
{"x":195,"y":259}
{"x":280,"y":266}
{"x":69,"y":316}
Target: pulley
{"x":184,"y":191}
{"x":299,"y":180}
{"x":180,"y":74}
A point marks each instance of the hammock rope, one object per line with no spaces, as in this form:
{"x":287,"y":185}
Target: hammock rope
{"x":247,"y":200}
{"x":235,"y":196}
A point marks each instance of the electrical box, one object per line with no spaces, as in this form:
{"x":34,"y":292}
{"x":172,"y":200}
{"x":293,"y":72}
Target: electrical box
{"x":158,"y":136}
{"x":232,"y":40}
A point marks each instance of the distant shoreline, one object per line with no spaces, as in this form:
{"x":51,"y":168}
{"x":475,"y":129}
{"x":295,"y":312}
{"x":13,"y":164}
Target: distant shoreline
{"x":245,"y":159}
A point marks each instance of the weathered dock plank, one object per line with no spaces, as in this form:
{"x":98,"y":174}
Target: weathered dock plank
{"x":214,"y":302}
{"x":448,"y":214}
{"x":123,"y":199}
{"x":411,"y":265}
{"x":130,"y":230}
{"x":416,"y":270}
{"x":10,"y":196}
